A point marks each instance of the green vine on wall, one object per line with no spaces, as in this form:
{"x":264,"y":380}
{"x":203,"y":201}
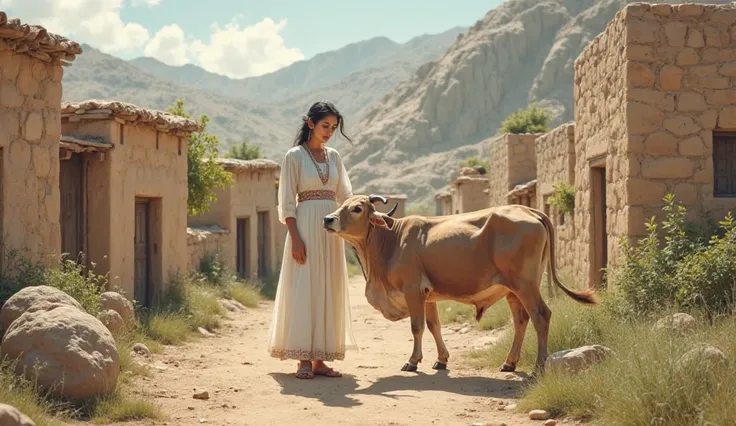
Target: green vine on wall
{"x":563,"y":198}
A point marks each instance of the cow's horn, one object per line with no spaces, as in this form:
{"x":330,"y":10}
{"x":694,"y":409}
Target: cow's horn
{"x":393,"y":210}
{"x":373,"y":198}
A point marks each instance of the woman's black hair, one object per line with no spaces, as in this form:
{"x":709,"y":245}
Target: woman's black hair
{"x":317,"y":112}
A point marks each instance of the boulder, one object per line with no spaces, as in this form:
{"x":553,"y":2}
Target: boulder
{"x":578,"y":359}
{"x":112,"y":320}
{"x":703,"y":356}
{"x":118,"y":303}
{"x":11,"y":416}
{"x":75,"y":351}
{"x":679,"y":322}
{"x":23,"y":299}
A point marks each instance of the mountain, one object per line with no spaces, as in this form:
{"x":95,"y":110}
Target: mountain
{"x":323,"y":70}
{"x":523,"y":51}
{"x":265,"y":109}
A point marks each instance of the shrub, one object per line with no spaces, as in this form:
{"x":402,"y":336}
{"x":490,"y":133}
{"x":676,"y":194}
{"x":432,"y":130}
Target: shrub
{"x":84,"y":286}
{"x":475,"y":163}
{"x":686,"y":272}
{"x":563,"y":198}
{"x":18,"y":272}
{"x":214,"y":269}
{"x":530,"y":120}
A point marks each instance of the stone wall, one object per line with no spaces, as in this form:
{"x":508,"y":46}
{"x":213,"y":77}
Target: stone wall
{"x":601,"y":140}
{"x":513,"y":162}
{"x":555,"y":152}
{"x":470,"y":193}
{"x":30,"y":99}
{"x":203,"y":241}
{"x":681,"y":84}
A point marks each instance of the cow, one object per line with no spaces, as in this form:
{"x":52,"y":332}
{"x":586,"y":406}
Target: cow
{"x":475,"y":258}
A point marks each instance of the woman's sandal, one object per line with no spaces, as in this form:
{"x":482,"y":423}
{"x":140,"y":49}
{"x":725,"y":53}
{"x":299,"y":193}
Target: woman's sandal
{"x":327,"y":372}
{"x":305,"y":373}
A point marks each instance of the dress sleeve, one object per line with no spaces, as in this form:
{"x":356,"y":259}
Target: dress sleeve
{"x":288,"y":186}
{"x":344,"y":187}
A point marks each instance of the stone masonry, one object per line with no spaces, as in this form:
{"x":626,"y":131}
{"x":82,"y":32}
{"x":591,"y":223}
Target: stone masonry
{"x":469,"y":191}
{"x":513,"y":162}
{"x":31,"y":71}
{"x":555,"y":152}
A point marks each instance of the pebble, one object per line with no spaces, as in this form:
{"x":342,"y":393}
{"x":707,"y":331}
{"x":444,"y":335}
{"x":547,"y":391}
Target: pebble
{"x":538,"y":415}
{"x":201,"y":395}
{"x":489,"y":424}
{"x":550,"y":422}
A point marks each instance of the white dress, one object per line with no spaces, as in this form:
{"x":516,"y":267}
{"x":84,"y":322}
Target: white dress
{"x":311,"y":317}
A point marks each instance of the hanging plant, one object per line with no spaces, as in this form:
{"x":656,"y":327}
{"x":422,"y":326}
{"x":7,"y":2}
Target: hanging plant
{"x":563,"y":198}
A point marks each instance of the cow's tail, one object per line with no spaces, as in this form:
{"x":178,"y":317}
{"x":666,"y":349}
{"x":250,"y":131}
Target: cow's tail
{"x":588,"y":295}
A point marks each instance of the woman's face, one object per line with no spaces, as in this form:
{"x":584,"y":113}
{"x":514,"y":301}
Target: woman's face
{"x":324,"y":128}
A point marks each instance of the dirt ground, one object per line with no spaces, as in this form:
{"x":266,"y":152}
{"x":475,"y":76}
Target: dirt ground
{"x":247,"y":387}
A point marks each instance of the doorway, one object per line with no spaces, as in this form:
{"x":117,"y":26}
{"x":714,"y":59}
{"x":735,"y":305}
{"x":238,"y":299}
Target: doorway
{"x":72,"y":191}
{"x":263,"y":244}
{"x":599,"y":234}
{"x":142,"y":239}
{"x":241,"y":246}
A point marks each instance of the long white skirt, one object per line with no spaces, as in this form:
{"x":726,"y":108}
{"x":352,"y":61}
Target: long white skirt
{"x":311,"y":317}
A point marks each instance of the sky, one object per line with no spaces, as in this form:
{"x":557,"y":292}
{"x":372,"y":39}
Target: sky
{"x":240,"y":38}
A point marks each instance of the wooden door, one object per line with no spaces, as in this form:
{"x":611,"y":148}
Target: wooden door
{"x":142,"y":253}
{"x":71,"y":184}
{"x":263,"y":229}
{"x":241,"y":251}
{"x":600,"y":236}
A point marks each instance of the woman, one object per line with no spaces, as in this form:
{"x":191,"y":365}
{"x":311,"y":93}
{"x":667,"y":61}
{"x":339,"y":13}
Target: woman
{"x":311,"y":318}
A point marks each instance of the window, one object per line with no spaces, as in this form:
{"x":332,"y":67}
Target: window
{"x":724,"y":164}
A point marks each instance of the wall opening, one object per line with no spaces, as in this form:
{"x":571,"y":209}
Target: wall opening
{"x":2,"y":215}
{"x":72,"y":195}
{"x":599,"y":240}
{"x":147,"y":257}
{"x":241,"y":246}
{"x":264,"y":232}
{"x":724,"y":164}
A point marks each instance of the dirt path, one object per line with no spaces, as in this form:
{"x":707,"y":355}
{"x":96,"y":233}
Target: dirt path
{"x":247,"y":387}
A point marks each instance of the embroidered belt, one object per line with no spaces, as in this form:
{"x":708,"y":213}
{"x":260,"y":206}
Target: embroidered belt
{"x":317,"y":194}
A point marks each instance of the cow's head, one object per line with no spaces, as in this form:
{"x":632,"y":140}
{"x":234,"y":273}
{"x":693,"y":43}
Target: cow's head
{"x":356,"y":215}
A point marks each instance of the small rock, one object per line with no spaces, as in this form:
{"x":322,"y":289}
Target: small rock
{"x":489,"y":424}
{"x":11,"y":416}
{"x":203,"y":394}
{"x":578,"y":359}
{"x":679,"y":322}
{"x":204,"y":332}
{"x":703,"y":355}
{"x":550,"y":422}
{"x":538,"y":415}
{"x":510,"y":407}
{"x":190,"y":408}
{"x":141,"y":349}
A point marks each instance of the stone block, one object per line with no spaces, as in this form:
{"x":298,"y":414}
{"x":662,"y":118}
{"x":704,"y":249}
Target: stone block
{"x":688,"y":57}
{"x":708,"y":119}
{"x":643,"y":118}
{"x":727,"y":118}
{"x":642,"y":32}
{"x":691,"y":102}
{"x":714,"y":37}
{"x":720,"y":97}
{"x":660,"y":144}
{"x":41,"y":161}
{"x":9,"y":96}
{"x":640,"y":53}
{"x":667,"y":168}
{"x":675,"y":33}
{"x":661,"y":9}
{"x":692,"y":147}
{"x":639,"y":75}
{"x":690,"y":10}
{"x":728,"y":69}
{"x":682,"y":125}
{"x":695,"y":39}
{"x":670,"y":77}
{"x":659,"y":99}
{"x":33,"y":129}
{"x":644,"y":192}
{"x":686,"y":193}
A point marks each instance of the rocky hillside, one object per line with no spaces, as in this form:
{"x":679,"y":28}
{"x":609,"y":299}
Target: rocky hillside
{"x":523,"y":51}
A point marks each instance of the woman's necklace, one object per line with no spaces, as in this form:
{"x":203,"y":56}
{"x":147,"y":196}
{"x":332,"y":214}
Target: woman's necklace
{"x":323,"y":177}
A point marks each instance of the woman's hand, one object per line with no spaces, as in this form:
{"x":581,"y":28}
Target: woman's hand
{"x":298,"y":250}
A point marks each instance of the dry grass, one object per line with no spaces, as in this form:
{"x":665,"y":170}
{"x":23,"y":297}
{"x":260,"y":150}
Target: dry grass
{"x":247,"y":294}
{"x":495,"y":317}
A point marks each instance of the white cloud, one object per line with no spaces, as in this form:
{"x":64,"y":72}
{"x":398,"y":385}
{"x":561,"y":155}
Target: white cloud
{"x":96,"y":22}
{"x":149,"y":3}
{"x":168,"y":46}
{"x":242,"y":52}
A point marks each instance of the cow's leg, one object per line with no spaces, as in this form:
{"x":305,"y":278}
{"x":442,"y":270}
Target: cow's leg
{"x":415,"y":300}
{"x":435,"y":327}
{"x":521,"y":319}
{"x":540,"y":315}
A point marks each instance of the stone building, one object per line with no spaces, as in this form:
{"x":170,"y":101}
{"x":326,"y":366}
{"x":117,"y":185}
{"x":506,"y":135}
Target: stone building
{"x":31,"y":61}
{"x":123,"y":180}
{"x":469,"y":191}
{"x":555,"y":153}
{"x":243,"y":219}
{"x":443,"y":203}
{"x":513,"y":168}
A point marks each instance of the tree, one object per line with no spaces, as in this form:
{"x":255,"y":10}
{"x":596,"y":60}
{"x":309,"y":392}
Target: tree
{"x":530,"y":120}
{"x":204,"y":173}
{"x":245,"y":151}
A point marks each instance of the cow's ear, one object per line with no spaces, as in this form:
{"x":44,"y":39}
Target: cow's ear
{"x":377,"y":219}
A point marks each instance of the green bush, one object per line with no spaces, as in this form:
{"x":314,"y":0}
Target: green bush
{"x":530,"y":120}
{"x":84,"y":286}
{"x":563,"y":198}
{"x":689,"y":270}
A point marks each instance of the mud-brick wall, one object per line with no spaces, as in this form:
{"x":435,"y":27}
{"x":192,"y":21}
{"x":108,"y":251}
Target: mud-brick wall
{"x":681,"y":85}
{"x":30,"y":128}
{"x":513,"y":161}
{"x":205,"y":241}
{"x":555,"y":152}
{"x":601,"y":139}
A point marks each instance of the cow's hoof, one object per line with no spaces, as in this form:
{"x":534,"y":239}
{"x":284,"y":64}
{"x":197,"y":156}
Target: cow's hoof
{"x":439,"y":365}
{"x":409,"y":367}
{"x":506,"y":368}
